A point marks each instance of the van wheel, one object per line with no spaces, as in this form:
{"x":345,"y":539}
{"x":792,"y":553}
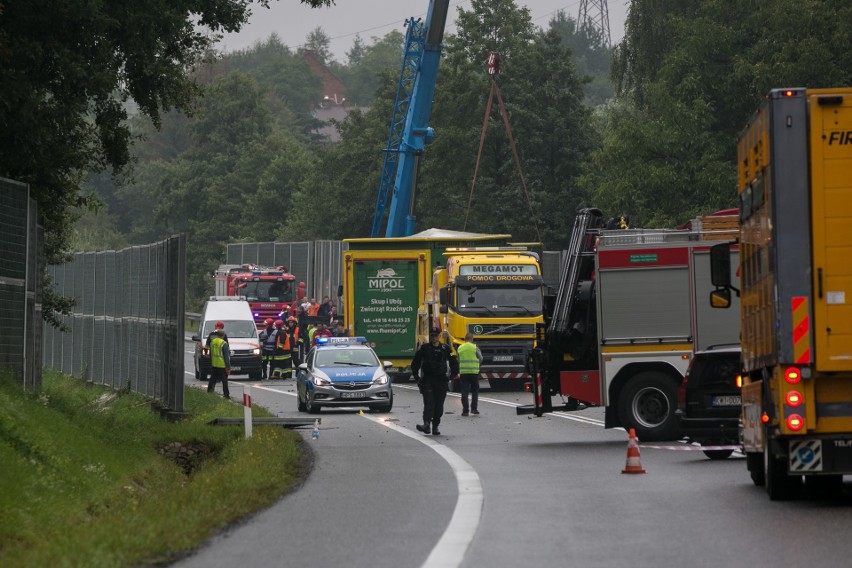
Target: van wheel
{"x":718,"y":454}
{"x":647,"y":403}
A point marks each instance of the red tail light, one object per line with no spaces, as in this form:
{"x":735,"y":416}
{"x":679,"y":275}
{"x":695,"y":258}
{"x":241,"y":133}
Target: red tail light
{"x":792,"y":375}
{"x":795,"y":422}
{"x":794,"y":398}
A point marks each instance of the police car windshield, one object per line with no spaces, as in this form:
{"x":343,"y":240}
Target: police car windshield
{"x":344,"y":357}
{"x":233,"y":328}
{"x":267,"y":291}
{"x":490,"y":300}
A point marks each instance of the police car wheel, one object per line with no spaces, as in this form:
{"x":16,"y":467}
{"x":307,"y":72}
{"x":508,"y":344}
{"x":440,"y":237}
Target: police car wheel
{"x":311,"y":407}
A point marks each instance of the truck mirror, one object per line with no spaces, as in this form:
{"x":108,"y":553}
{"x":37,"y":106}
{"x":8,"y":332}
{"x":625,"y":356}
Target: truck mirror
{"x":720,"y":298}
{"x":720,"y":266}
{"x":301,"y":293}
{"x":340,"y":290}
{"x":443,"y":308}
{"x":196,"y":339}
{"x":443,"y":295}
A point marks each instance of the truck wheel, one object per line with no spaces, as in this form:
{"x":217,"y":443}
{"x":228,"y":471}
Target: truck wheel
{"x":754,"y":463}
{"x":779,"y":485}
{"x":647,"y":403}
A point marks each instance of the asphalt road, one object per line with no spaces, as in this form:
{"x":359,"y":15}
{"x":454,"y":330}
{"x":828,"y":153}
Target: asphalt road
{"x":501,"y":490}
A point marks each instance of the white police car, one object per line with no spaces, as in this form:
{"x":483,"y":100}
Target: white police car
{"x":341,"y":372}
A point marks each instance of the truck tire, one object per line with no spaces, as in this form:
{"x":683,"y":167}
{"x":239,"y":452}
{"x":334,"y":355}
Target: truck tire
{"x":754,"y":464}
{"x":779,"y":485}
{"x":647,"y":403}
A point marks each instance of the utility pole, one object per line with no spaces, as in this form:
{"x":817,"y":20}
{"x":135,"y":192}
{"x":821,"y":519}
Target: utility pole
{"x":594,"y":14}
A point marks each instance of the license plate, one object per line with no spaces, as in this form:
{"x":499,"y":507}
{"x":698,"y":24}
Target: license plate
{"x":727,"y":401}
{"x":236,"y":369}
{"x":356,"y":394}
{"x":498,"y":358}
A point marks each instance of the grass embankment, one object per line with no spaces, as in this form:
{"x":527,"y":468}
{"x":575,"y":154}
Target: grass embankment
{"x":82,"y":482}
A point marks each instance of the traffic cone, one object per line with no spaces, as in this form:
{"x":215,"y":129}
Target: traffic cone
{"x":633,"y":464}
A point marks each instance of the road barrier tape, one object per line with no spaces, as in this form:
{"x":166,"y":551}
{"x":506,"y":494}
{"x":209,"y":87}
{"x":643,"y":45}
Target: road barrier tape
{"x":688,"y":448}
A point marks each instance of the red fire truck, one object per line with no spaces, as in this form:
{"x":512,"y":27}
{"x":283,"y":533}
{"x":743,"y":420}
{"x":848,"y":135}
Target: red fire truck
{"x":271,"y":292}
{"x":630,"y":312}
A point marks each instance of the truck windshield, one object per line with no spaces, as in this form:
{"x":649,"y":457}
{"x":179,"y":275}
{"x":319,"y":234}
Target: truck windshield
{"x":267,"y":291}
{"x":493,"y":301}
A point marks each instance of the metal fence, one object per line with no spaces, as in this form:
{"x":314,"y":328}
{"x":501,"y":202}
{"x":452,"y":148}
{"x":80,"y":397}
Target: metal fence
{"x":127,"y":328}
{"x":21,"y":263}
{"x":316,"y":263}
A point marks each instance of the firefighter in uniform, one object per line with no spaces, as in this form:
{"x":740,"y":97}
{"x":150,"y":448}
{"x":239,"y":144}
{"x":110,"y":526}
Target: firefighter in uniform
{"x":267,"y":345}
{"x":296,"y":342}
{"x":469,"y":359}
{"x":220,"y":362}
{"x":431,"y":365}
{"x":281,"y":365}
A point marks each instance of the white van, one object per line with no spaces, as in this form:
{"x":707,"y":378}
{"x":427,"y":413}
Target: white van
{"x":241,"y":332}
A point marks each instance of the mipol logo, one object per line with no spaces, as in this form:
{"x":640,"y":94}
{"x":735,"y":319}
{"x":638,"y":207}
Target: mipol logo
{"x":386,"y":279}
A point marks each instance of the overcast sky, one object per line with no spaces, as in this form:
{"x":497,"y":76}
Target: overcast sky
{"x":293,"y":21}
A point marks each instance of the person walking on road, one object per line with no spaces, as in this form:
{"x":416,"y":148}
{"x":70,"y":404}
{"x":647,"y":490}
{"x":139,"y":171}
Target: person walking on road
{"x":220,"y":362}
{"x":433,"y":366}
{"x":470,"y":357}
{"x":267,"y":346}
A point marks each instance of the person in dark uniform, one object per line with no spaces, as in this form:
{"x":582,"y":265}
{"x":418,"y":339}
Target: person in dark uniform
{"x":267,"y":351}
{"x":433,"y":366}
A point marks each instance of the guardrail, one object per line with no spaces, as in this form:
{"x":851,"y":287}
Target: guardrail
{"x":192,"y":321}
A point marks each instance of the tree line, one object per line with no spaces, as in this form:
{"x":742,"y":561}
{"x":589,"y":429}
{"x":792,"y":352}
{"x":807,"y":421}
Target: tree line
{"x":647,"y":128}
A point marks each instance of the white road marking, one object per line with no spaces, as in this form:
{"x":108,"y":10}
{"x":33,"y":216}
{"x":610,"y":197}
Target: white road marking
{"x":557,"y":414}
{"x":450,"y":549}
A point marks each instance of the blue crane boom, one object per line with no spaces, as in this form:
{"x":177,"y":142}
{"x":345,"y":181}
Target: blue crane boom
{"x":409,"y":131}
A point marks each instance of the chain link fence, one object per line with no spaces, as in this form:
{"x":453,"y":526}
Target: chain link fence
{"x":21,"y":263}
{"x":127,"y":328}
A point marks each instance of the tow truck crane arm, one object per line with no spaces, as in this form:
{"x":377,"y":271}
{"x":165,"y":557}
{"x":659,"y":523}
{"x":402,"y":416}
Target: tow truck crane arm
{"x":409,"y":130}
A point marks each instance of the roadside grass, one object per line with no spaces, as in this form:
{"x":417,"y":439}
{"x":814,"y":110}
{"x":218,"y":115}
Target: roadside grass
{"x":82,"y":482}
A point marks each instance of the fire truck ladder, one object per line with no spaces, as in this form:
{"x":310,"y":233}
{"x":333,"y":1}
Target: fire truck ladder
{"x":582,"y":242}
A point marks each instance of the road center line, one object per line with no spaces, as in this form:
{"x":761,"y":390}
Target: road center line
{"x":450,"y":549}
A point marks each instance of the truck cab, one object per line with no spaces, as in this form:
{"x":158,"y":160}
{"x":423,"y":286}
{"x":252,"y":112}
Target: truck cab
{"x":494,"y":293}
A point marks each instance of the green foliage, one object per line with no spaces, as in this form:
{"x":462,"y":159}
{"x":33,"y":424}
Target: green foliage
{"x":591,"y":57}
{"x":83,"y":484}
{"x":369,"y":66}
{"x":65,"y":88}
{"x":319,"y":43}
{"x":689,"y":74}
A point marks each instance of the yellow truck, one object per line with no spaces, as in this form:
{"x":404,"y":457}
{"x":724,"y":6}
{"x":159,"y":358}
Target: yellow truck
{"x":494,"y":293}
{"x":384,"y":284}
{"x":795,"y":268}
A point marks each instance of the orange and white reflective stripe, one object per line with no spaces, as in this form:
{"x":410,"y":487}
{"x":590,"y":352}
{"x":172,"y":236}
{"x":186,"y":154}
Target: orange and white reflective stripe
{"x":801,"y":330}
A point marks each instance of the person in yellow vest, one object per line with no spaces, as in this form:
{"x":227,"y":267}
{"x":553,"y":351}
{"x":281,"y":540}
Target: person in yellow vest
{"x":281,"y":361}
{"x":470,"y":357}
{"x":220,"y":362}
